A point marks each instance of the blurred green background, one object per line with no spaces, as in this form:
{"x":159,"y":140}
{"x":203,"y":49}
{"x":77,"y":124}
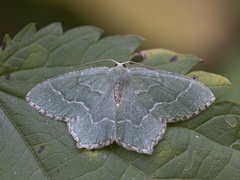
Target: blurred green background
{"x":207,"y":29}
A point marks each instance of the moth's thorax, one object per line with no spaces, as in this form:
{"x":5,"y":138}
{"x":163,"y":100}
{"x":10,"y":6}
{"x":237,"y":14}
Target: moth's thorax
{"x":119,"y":74}
{"x":119,"y":77}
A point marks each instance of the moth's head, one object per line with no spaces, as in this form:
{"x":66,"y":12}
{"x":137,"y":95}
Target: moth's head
{"x":117,"y":64}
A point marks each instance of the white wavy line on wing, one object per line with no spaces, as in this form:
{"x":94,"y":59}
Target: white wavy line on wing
{"x":70,"y":102}
{"x":159,"y":103}
{"x":104,"y":119}
{"x":129,"y":121}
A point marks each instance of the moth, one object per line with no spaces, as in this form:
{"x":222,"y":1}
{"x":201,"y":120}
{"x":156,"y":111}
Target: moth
{"x":129,"y":106}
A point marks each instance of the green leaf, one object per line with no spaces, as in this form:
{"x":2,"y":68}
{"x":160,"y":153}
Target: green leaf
{"x":219,"y":85}
{"x":167,"y":60}
{"x":17,"y":160}
{"x":35,"y":147}
{"x":36,"y":56}
{"x":5,"y":42}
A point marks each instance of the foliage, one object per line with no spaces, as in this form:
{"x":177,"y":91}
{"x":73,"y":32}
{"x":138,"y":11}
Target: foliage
{"x":35,"y":147}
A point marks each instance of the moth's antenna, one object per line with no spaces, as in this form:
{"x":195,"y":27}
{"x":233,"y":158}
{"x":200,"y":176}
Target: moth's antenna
{"x":111,"y":60}
{"x":97,"y":61}
{"x":139,"y":64}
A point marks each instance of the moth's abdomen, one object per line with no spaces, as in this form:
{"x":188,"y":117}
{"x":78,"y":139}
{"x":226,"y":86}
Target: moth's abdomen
{"x":118,"y":92}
